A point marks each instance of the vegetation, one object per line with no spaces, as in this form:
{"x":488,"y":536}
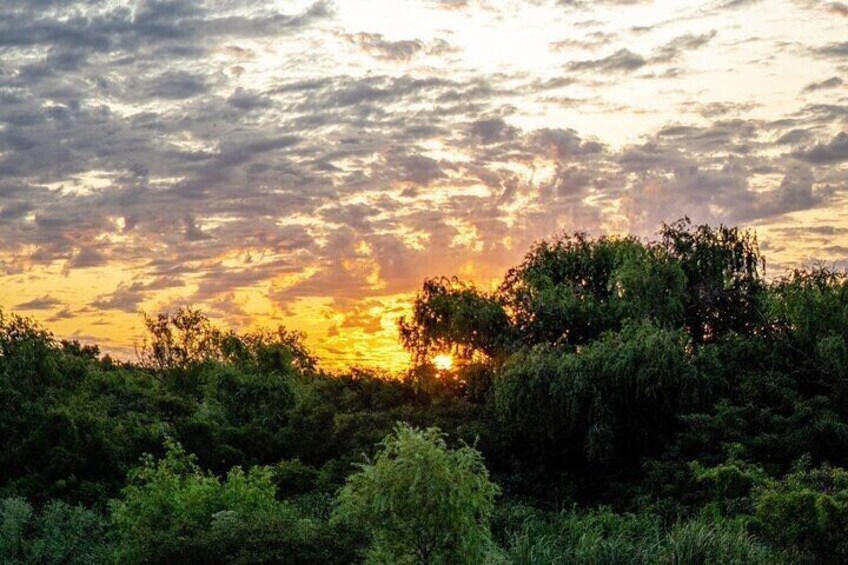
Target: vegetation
{"x":613,"y":401}
{"x":421,"y":501}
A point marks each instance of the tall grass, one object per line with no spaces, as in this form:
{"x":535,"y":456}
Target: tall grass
{"x":602,"y":537}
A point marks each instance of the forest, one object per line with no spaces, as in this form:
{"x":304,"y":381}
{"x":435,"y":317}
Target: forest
{"x":613,"y":401}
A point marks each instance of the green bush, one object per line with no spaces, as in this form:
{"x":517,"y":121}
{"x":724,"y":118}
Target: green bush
{"x":421,"y":502}
{"x":808,"y":511}
{"x":172,"y":512}
{"x":603,"y":537}
{"x":60,"y":533}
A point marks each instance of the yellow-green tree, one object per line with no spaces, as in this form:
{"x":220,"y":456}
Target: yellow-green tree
{"x":421,"y":501}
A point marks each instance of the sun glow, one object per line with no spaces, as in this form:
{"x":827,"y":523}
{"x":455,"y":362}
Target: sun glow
{"x":443,"y":362}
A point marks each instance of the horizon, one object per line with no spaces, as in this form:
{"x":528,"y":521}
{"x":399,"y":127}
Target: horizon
{"x":310,"y":163}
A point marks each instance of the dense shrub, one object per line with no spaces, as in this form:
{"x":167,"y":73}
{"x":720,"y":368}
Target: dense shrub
{"x":172,"y":512}
{"x":421,"y":502}
{"x":808,"y":511}
{"x":59,"y":533}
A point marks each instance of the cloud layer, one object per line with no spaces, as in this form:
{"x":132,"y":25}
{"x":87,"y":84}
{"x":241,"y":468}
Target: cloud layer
{"x":310,"y":164}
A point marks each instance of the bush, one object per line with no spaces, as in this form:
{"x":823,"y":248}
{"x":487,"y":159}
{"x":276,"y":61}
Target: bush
{"x":420,"y":501}
{"x":60,"y":533}
{"x":604,"y":537}
{"x":808,"y":511}
{"x":172,"y":512}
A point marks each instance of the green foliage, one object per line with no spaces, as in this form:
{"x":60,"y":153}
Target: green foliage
{"x":601,"y":536}
{"x":15,"y":516}
{"x":187,"y":337}
{"x":724,"y":286}
{"x":449,"y":315}
{"x":60,"y":533}
{"x":421,"y":501}
{"x":615,"y":399}
{"x":731,"y":484}
{"x":810,"y":309}
{"x":293,"y":477}
{"x":172,"y":512}
{"x":564,"y":292}
{"x":808,"y":511}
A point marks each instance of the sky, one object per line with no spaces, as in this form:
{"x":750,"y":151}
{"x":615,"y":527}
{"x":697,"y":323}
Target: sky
{"x":311,"y":163}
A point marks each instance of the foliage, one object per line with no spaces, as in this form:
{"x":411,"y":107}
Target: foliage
{"x":60,"y":533}
{"x":724,"y":286}
{"x":172,"y":512}
{"x":449,"y":315}
{"x":572,"y":289}
{"x":808,"y":511}
{"x":187,"y":337}
{"x":602,"y":536}
{"x":421,"y":501}
{"x":615,"y":399}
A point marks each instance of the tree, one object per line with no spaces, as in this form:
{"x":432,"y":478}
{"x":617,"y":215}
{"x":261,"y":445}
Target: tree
{"x":179,"y":340}
{"x":724,"y":285}
{"x":60,"y":533}
{"x":615,"y":400}
{"x":449,"y":315}
{"x":187,"y":338}
{"x":564,"y":291}
{"x":421,"y":501}
{"x":808,"y":510}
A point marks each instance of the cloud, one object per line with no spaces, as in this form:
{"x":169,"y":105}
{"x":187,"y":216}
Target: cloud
{"x":591,"y":42}
{"x":45,"y":302}
{"x":126,"y":298}
{"x":622,"y":60}
{"x":63,"y":314}
{"x":836,"y":50}
{"x":681,"y":44}
{"x":492,"y":130}
{"x":401,"y":50}
{"x":626,"y":61}
{"x":375,"y":45}
{"x":219,"y":152}
{"x":832,"y":152}
{"x":176,"y":85}
{"x":733,"y":4}
{"x":585,"y":3}
{"x":832,"y":82}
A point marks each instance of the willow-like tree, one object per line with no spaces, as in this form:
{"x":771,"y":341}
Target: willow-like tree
{"x":421,"y":502}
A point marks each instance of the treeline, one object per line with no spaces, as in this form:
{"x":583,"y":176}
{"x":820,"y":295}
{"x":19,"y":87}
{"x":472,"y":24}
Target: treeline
{"x":613,"y":401}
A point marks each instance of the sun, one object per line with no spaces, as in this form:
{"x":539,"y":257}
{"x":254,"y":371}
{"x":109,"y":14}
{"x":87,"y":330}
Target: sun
{"x":443,"y":362}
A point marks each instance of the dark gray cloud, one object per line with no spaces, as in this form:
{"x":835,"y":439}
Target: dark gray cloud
{"x":832,"y":82}
{"x":831,"y":152}
{"x":176,"y":85}
{"x":626,"y":61}
{"x":402,"y":50}
{"x":837,"y":50}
